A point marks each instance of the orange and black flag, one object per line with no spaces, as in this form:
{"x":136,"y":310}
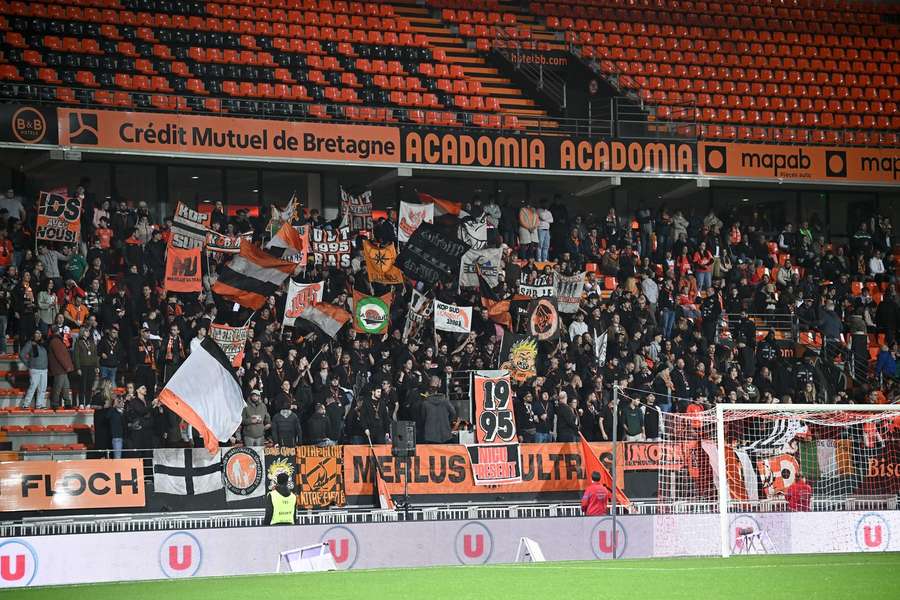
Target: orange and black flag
{"x":380,"y":263}
{"x":591,"y":464}
{"x":384,"y":500}
{"x":498,"y":310}
{"x":252,"y":276}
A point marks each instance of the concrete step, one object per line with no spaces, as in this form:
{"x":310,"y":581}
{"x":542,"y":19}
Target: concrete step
{"x":48,"y":417}
{"x":55,"y":455}
{"x":41,"y":438}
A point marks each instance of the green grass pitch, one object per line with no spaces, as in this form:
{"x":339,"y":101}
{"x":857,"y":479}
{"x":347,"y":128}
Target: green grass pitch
{"x":797,"y":577}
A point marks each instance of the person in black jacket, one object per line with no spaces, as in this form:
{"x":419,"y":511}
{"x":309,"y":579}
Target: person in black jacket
{"x":375,"y":418}
{"x":317,"y":428}
{"x":111,"y":354}
{"x":286,"y":430}
{"x":567,"y":419}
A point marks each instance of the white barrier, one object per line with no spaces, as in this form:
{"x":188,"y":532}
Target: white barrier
{"x":67,"y":559}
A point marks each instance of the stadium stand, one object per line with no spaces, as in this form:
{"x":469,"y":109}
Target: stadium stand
{"x":822,"y":75}
{"x":757,"y":71}
{"x":357,"y":61}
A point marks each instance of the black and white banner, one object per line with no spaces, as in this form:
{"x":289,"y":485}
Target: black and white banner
{"x":186,"y":471}
{"x":541,"y":285}
{"x":568,"y":292}
{"x":189,"y":227}
{"x":357,"y":210}
{"x":420,"y":309}
{"x":431,"y":255}
{"x":474,"y":232}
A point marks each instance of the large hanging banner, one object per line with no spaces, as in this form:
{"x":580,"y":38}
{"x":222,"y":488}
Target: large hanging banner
{"x":495,"y":457}
{"x":330,"y":248}
{"x":357,"y":210}
{"x":225,"y":244}
{"x":189,"y":227}
{"x":411,"y":216}
{"x":569,"y":289}
{"x":299,"y":296}
{"x":431,"y":255}
{"x":183,"y":269}
{"x":232,"y":341}
{"x":487,"y":261}
{"x":448,"y":317}
{"x":380,"y":263}
{"x":441,"y":472}
{"x":58,"y":217}
{"x":38,"y":485}
{"x":320,"y":475}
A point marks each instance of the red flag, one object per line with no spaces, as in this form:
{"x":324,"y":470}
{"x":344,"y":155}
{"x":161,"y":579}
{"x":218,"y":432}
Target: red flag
{"x":385,"y":502}
{"x":592,"y":463}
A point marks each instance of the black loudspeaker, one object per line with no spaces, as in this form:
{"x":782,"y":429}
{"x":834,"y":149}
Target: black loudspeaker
{"x":403,"y":439}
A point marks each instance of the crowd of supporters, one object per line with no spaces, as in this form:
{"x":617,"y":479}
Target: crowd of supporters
{"x":686,"y":299}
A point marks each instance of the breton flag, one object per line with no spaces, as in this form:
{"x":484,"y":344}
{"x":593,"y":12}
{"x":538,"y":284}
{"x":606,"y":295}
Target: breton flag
{"x":205,"y":392}
{"x":289,"y":243}
{"x":252,"y":276}
{"x":186,"y":471}
{"x":592,"y":463}
{"x":441,"y":207}
{"x":327,"y":317}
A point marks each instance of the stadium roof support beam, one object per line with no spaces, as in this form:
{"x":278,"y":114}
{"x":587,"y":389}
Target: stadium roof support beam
{"x":390,"y":177}
{"x":604,"y":184}
{"x":686,"y":189}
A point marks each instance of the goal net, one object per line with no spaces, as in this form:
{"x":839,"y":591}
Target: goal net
{"x":751,"y":465}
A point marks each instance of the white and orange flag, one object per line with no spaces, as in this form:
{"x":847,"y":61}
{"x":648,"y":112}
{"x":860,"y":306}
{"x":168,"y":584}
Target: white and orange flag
{"x":441,"y":206}
{"x":205,"y":392}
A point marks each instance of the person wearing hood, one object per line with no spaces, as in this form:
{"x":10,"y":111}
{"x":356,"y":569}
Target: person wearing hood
{"x":286,"y":430}
{"x":281,"y":503}
{"x":437,"y":414}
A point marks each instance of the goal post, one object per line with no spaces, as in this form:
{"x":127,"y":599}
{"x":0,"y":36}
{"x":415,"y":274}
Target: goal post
{"x":764,"y":450}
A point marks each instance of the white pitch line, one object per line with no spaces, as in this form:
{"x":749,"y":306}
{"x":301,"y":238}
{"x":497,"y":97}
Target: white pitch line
{"x":673,"y":569}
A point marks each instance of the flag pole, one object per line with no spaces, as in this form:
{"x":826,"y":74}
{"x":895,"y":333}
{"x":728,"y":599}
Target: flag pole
{"x":615,"y":482}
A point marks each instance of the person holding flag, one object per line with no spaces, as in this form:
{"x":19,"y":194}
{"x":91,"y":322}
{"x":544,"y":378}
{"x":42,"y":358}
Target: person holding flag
{"x":595,"y":500}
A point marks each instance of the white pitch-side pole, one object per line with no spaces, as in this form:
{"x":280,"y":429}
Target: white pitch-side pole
{"x":801,"y":408}
{"x":615,"y":474}
{"x":723,"y":480}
